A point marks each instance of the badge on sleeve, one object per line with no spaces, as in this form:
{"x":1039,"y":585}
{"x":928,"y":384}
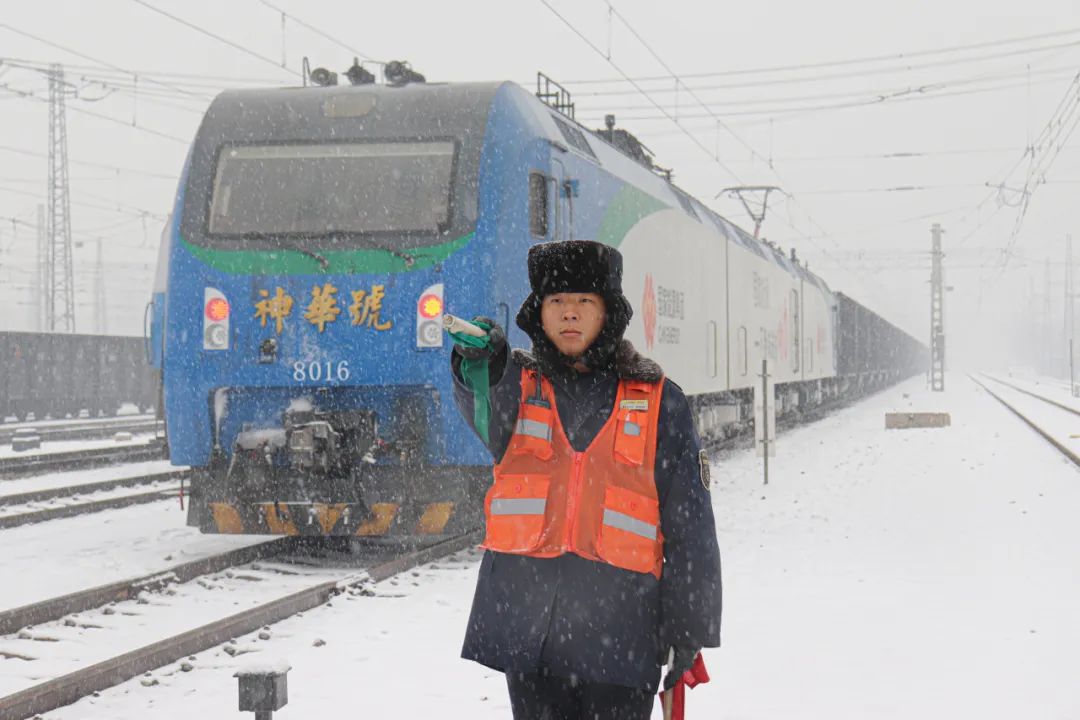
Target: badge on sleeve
{"x":703,"y":460}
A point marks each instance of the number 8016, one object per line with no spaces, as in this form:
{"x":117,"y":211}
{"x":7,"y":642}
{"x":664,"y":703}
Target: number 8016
{"x":316,"y":371}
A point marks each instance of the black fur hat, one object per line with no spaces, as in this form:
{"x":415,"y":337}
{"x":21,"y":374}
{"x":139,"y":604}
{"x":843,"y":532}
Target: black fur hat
{"x":575,"y":266}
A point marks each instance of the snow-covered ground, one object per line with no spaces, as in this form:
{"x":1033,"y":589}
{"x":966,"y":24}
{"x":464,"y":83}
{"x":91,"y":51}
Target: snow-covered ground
{"x":1052,"y":388}
{"x":57,"y":557}
{"x":12,"y":424}
{"x":49,"y":447}
{"x":1061,"y":424}
{"x":83,"y":477}
{"x":880,"y":574}
{"x":58,"y":648}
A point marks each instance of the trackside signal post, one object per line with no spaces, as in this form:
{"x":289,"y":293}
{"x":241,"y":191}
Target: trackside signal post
{"x":765,"y":417}
{"x":937,"y":313}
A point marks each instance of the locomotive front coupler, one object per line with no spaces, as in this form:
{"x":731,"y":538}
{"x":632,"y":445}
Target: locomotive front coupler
{"x":329,"y":442}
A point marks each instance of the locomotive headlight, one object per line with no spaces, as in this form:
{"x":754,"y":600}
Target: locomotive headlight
{"x":216,"y":338}
{"x":429,"y":314}
{"x":429,"y":334}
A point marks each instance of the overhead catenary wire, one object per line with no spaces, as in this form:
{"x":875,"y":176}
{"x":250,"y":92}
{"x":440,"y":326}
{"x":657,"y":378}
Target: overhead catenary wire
{"x":215,"y":36}
{"x":713,"y":155}
{"x":791,"y":197}
{"x":873,"y":100}
{"x":77,"y":53}
{"x":845,"y":61}
{"x":645,"y":94}
{"x":317,"y":31}
{"x":872,"y":95}
{"x":74,"y":108}
{"x":120,"y":208}
{"x":181,"y":79}
{"x":667,"y":89}
{"x":87,"y":163}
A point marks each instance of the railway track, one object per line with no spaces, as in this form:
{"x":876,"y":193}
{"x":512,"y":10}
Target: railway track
{"x":80,"y":430}
{"x":17,"y":509}
{"x":1057,"y":441}
{"x":41,"y":463}
{"x":300,"y":588}
{"x":1066,"y":407}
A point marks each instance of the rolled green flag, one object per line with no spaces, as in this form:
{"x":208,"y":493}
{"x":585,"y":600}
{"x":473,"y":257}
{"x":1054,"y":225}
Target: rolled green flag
{"x":475,"y":375}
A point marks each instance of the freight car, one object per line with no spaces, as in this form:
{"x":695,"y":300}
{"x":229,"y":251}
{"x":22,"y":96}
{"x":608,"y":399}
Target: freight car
{"x":56,"y":375}
{"x":317,"y":236}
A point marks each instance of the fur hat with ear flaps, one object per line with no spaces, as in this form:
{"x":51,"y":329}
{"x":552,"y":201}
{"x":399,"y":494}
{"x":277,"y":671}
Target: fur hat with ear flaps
{"x":575,"y":266}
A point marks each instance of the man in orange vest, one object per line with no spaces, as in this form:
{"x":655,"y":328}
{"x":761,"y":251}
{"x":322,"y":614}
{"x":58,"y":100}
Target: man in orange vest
{"x":601,"y":559}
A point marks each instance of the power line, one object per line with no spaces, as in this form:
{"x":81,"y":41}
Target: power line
{"x":720,"y":123}
{"x":757,"y":84}
{"x":869,"y":95}
{"x":86,"y":163}
{"x":215,"y":36}
{"x":129,"y":89}
{"x":197,"y":79}
{"x":317,"y":31}
{"x":641,"y":90}
{"x":84,"y":56}
{"x":875,"y":101}
{"x":893,"y":189}
{"x":117,"y":207}
{"x":844,"y":62}
{"x":31,"y":96}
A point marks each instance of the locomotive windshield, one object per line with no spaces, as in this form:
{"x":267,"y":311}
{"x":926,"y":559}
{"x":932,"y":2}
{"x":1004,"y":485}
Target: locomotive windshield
{"x":327,"y":189}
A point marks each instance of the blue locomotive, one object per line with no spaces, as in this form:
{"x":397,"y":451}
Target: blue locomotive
{"x":318,"y":236}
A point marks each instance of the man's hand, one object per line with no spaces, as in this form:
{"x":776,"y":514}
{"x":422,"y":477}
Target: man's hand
{"x":683,"y":661}
{"x":496,"y":341}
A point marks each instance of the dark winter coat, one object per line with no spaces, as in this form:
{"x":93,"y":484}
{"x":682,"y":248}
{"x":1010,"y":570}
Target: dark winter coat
{"x":586,"y":619}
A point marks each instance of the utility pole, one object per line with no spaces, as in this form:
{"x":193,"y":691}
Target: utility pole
{"x":100,"y":316}
{"x":40,"y":282}
{"x":1048,"y":331}
{"x":1069,"y":317}
{"x":60,"y":287}
{"x":937,"y":312}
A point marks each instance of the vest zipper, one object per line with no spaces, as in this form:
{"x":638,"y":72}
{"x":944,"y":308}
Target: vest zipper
{"x":575,"y":497}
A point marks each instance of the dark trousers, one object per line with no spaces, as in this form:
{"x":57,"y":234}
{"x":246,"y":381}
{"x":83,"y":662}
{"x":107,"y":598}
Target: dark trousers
{"x":539,"y":696}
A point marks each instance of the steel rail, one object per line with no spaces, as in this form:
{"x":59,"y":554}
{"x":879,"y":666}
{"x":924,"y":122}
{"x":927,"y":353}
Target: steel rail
{"x":66,"y":511}
{"x":85,"y":431}
{"x":39,"y":463}
{"x":56,"y":608}
{"x":1031,"y":423}
{"x":70,"y":490}
{"x":1017,"y":388}
{"x":69,"y":688}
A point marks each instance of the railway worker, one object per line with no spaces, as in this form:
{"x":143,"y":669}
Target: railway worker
{"x":601,"y":554}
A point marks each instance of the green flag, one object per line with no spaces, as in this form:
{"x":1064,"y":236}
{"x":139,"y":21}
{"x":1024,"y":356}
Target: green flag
{"x":475,"y":375}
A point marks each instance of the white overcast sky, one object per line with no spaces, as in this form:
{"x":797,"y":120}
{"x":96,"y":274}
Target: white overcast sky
{"x":864,"y":239}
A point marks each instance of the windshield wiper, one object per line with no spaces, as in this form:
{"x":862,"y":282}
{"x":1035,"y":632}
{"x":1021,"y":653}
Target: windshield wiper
{"x":370,"y":244}
{"x":288,"y":245}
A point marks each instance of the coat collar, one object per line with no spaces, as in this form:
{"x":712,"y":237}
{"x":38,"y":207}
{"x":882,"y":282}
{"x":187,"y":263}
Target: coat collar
{"x":629,"y":364}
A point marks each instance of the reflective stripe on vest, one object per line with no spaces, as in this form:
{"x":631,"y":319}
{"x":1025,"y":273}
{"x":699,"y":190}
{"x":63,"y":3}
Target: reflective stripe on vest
{"x":601,"y":503}
{"x":622,"y":521}
{"x":532,"y":432}
{"x":518,"y":506}
{"x":534,"y":428}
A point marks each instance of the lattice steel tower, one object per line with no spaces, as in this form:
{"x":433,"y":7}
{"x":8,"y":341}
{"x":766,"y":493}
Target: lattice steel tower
{"x":937,"y":313}
{"x":59,"y":271}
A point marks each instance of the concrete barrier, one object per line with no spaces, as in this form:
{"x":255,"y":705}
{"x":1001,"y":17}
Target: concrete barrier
{"x":903,"y":421}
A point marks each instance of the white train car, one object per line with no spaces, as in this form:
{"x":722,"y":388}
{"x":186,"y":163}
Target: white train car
{"x":712,"y":303}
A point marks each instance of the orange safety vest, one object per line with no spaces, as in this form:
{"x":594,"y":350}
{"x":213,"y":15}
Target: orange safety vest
{"x":601,"y":504}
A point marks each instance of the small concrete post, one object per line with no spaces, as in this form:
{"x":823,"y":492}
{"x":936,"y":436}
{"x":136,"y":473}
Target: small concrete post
{"x":263,"y":689}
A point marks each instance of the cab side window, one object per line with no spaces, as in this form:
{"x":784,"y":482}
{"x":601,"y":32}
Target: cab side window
{"x":538,"y":205}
